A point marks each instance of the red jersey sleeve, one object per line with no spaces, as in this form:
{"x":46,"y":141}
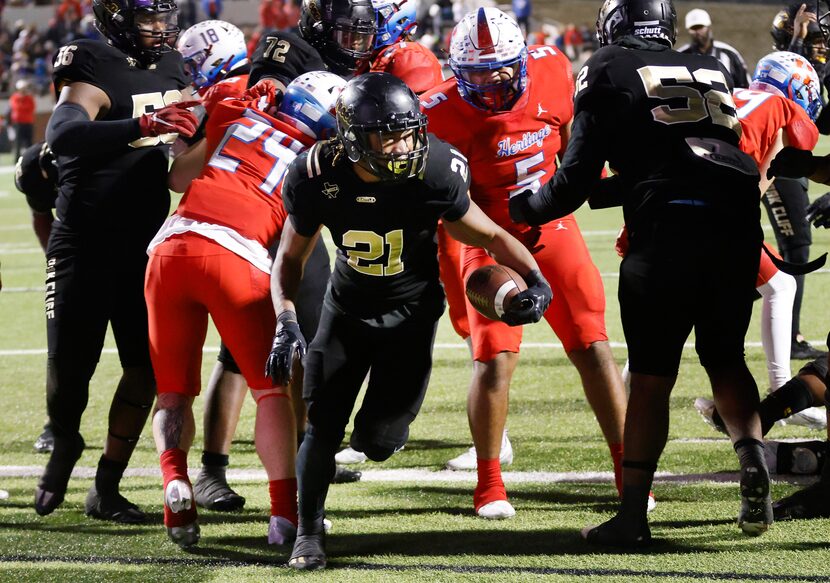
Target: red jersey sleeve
{"x":801,"y":132}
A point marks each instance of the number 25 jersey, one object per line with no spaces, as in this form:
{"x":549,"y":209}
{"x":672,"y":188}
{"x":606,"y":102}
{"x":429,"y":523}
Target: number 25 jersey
{"x":510,"y":150}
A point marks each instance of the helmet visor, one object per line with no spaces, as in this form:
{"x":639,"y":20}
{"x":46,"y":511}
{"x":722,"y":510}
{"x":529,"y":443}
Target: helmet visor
{"x":394,"y":154}
{"x":492,"y":87}
{"x":157,"y":28}
{"x":354,"y":39}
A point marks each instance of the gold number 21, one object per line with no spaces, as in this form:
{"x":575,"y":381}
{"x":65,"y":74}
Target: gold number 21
{"x":373,"y":249}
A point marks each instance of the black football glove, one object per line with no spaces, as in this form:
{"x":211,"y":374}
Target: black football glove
{"x":818,"y":211}
{"x":529,"y":306}
{"x":792,"y":163}
{"x":288,"y":345}
{"x":518,"y":204}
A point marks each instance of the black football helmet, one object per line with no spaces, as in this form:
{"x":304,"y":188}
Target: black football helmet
{"x":652,"y":19}
{"x":381,"y":104}
{"x":125,"y":23}
{"x":343,"y":31}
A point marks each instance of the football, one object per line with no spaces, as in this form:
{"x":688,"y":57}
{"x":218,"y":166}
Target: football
{"x":491,"y":288}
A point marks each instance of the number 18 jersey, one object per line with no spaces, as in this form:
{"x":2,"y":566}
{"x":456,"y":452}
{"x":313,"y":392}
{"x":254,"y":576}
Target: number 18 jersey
{"x":511,"y":150}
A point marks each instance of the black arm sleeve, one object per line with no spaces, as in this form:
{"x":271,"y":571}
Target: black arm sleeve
{"x":576,"y":178}
{"x":71,"y":133}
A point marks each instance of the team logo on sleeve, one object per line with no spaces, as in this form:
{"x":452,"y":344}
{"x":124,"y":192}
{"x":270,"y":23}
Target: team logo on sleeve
{"x":508,"y":147}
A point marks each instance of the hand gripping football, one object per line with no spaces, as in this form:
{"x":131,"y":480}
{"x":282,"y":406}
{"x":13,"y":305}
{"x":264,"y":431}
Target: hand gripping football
{"x":491,"y":288}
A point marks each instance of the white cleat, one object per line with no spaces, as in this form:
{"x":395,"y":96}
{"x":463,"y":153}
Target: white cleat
{"x":706,"y":408}
{"x":811,"y":418}
{"x":178,"y":496}
{"x":326,"y":525}
{"x":281,"y":531}
{"x":4,"y":495}
{"x":469,"y":459}
{"x":498,"y":510}
{"x":652,"y":503}
{"x":350,"y":456}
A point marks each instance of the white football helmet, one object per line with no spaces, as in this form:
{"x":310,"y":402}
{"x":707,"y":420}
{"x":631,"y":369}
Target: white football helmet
{"x":212,"y":49}
{"x":308,"y":103}
{"x":487,"y":40}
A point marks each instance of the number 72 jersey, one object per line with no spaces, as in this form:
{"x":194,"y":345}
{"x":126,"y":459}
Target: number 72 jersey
{"x":511,"y":150}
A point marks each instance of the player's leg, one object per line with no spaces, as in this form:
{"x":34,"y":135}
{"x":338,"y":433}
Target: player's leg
{"x":336,"y":364}
{"x":786,"y":202}
{"x":577,"y":316}
{"x":777,"y":291}
{"x":178,"y":319}
{"x":244,"y":317}
{"x":134,"y":395}
{"x":224,"y":397}
{"x":76,"y":324}
{"x":653,"y":279}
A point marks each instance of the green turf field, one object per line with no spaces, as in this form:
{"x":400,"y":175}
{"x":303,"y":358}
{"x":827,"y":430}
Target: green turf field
{"x":410,"y":529}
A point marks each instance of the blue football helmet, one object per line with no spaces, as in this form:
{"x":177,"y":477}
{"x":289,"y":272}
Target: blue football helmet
{"x":308,"y":104}
{"x":395,"y":20}
{"x":791,"y":76}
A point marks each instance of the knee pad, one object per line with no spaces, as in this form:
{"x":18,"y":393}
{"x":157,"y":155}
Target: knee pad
{"x":376,"y":448}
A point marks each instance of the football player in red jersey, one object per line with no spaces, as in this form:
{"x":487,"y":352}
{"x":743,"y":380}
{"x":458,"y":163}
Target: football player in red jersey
{"x":211,"y":257}
{"x":509,"y":111}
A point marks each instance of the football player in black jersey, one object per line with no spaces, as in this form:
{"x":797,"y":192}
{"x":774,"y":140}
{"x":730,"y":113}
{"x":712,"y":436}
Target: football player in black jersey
{"x":666,"y":123}
{"x":380,"y":188}
{"x":116,"y":114}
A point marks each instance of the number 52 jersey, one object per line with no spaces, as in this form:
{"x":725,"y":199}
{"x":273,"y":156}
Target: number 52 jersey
{"x":511,"y":150}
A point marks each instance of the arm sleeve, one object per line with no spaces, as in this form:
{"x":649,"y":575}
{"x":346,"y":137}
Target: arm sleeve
{"x":576,"y":178}
{"x":298,"y":204}
{"x":71,"y":133}
{"x":801,"y":132}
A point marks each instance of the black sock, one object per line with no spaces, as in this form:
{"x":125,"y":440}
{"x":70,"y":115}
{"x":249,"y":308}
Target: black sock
{"x":315,"y":468}
{"x":215,"y":460}
{"x":791,"y":398}
{"x":634,"y":506}
{"x":108,"y":476}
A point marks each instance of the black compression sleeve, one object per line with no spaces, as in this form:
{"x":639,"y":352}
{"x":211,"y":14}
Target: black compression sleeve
{"x":71,"y":133}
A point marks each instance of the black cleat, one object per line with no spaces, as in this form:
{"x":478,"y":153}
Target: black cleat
{"x":756,"y":514}
{"x":618,"y":533}
{"x":51,"y":488}
{"x":309,"y":552}
{"x":45,"y":442}
{"x":113,"y":507}
{"x":803,"y":350}
{"x":212,"y":491}
{"x":343,"y":475}
{"x":810,"y":502}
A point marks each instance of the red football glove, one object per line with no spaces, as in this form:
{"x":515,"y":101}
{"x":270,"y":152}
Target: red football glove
{"x":173,"y":119}
{"x":267,"y":95}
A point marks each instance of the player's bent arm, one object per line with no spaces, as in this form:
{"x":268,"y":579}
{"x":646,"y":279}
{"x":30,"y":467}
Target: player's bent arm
{"x":73,"y":131}
{"x":187,"y":166}
{"x":287,"y":270}
{"x":477,"y":229}
{"x":565,"y":137}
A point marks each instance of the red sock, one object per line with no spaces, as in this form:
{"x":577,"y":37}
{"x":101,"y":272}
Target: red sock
{"x":174,"y":467}
{"x":284,"y":498}
{"x":490,"y":486}
{"x":617,"y":457}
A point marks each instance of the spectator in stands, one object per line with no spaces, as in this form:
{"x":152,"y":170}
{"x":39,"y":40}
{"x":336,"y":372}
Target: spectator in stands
{"x":699,"y":25}
{"x":212,"y":8}
{"x":522,"y":10}
{"x":572,"y":41}
{"x":22,"y":116}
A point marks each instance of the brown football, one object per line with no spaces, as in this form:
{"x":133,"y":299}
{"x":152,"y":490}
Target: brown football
{"x":491,"y":288}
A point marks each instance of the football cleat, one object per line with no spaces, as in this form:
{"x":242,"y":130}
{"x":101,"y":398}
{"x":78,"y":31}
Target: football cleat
{"x":469,"y":459}
{"x":212,"y":491}
{"x":616,"y":532}
{"x":652,"y":503}
{"x":706,"y":408}
{"x":113,"y":507}
{"x":803,"y":350}
{"x":345,"y":475}
{"x":756,"y":513}
{"x":497,"y":510}
{"x":309,"y":552}
{"x":281,"y":531}
{"x":811,"y":418}
{"x":51,"y":488}
{"x":185,"y":536}
{"x":350,"y":456}
{"x":810,"y":502}
{"x":4,"y":495}
{"x":45,"y":442}
{"x":178,"y":497}
{"x":802,"y":457}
